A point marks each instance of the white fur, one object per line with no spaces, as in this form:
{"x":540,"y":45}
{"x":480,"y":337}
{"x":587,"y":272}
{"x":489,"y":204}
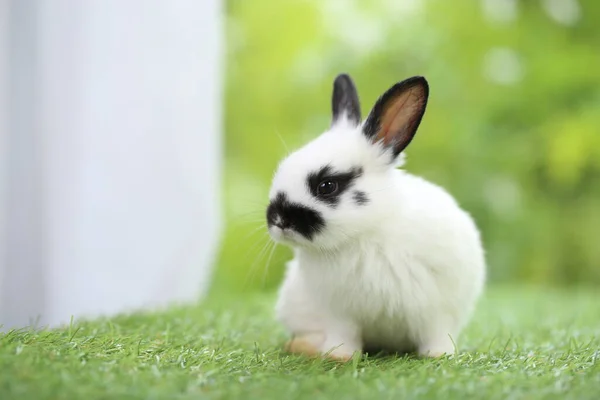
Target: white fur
{"x":402,"y":272}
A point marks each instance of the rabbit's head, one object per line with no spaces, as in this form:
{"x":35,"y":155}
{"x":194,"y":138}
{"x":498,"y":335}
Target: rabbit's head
{"x":333,"y":189}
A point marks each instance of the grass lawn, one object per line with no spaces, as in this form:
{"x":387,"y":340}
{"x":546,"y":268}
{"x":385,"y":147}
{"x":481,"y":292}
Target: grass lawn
{"x":522,"y":344}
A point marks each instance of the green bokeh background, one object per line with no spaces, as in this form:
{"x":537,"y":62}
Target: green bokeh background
{"x":512,"y":129}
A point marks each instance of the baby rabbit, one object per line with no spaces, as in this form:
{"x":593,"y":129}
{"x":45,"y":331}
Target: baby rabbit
{"x":383,"y":259}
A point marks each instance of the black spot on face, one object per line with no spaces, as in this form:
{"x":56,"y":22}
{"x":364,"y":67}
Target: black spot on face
{"x":289,"y":215}
{"x":360,"y":198}
{"x":328,"y":186}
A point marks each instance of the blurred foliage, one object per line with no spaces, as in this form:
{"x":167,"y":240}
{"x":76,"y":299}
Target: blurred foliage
{"x":512,"y":127}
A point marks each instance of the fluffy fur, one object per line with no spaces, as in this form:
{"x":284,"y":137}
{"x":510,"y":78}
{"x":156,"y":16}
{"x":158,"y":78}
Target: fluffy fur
{"x":396,"y":264}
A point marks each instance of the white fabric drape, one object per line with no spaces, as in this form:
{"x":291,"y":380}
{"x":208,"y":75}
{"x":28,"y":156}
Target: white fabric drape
{"x":110,"y":153}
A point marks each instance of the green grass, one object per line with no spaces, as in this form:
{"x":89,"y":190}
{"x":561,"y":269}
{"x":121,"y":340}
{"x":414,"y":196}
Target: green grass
{"x":522,"y":344}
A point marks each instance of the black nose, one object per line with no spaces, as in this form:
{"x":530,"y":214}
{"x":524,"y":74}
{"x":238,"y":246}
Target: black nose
{"x":282,"y":224}
{"x":285,"y":214}
{"x":275,"y":217}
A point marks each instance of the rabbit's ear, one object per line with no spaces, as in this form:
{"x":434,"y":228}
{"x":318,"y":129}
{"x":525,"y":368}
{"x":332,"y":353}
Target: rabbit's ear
{"x":397,"y":114}
{"x":344,"y":101}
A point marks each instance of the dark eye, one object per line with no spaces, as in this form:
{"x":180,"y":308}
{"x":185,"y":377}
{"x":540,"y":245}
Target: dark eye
{"x":327,"y":188}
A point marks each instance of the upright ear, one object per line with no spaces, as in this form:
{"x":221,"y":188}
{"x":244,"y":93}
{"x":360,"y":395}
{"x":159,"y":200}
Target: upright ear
{"x":397,"y":114}
{"x":344,"y":101}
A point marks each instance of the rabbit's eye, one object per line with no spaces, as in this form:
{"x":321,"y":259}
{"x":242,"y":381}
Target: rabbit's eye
{"x":327,"y":188}
{"x":327,"y":185}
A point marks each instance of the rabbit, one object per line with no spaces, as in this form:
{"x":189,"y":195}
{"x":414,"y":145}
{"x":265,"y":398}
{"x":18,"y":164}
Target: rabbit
{"x":383,"y":259}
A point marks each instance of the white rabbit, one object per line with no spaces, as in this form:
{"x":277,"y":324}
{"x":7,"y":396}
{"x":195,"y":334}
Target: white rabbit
{"x":383,"y":259}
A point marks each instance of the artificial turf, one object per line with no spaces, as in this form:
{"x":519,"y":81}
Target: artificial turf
{"x":523,"y":343}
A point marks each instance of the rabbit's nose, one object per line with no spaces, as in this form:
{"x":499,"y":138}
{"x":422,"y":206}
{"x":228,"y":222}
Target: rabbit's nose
{"x":274,"y":217}
{"x":292,"y":216}
{"x":280,"y":222}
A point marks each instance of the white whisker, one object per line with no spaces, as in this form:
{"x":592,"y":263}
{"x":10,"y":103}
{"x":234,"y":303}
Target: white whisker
{"x":266,"y":270}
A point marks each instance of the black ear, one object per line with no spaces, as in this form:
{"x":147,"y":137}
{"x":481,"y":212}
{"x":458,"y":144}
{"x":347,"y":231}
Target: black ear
{"x":344,"y":100}
{"x":397,"y":114}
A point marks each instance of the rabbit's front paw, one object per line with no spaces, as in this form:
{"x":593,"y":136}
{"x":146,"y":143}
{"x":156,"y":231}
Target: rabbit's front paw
{"x":340,"y":350}
{"x":437,"y":348}
{"x":307,"y":344}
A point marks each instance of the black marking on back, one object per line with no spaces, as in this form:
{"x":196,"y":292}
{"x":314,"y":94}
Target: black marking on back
{"x":302,"y":219}
{"x":345,"y":100}
{"x":360,"y":197}
{"x":345,"y":180}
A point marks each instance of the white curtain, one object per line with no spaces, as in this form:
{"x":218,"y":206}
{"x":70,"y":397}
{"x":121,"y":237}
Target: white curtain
{"x":110,"y":151}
